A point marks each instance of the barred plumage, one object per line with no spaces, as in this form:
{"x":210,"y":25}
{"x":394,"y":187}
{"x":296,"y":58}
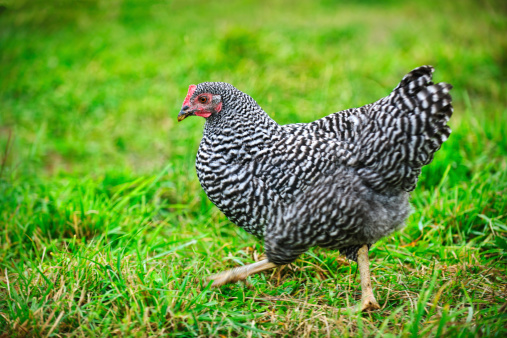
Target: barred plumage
{"x":340,"y":182}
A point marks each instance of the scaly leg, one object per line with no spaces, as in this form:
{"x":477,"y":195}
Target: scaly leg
{"x":368,"y":302}
{"x":240,"y":273}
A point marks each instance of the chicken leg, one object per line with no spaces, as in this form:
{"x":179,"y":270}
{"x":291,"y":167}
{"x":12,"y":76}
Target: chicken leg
{"x":368,"y":301}
{"x":240,"y":273}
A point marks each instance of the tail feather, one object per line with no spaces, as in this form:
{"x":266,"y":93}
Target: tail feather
{"x":408,"y":127}
{"x":395,"y":136}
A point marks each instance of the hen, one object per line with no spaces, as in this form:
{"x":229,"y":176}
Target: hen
{"x":341,"y":182}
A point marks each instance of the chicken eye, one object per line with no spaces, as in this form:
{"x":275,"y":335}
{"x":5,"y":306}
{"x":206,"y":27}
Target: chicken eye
{"x":203,"y":99}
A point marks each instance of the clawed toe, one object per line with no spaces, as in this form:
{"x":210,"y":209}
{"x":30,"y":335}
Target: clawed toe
{"x":369,"y":304}
{"x":240,"y":273}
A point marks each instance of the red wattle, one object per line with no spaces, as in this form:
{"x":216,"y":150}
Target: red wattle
{"x":204,"y":114}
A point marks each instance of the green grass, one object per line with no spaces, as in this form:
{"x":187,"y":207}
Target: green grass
{"x":104,"y":229}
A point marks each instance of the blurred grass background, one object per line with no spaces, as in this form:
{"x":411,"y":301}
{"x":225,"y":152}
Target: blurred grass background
{"x":95,"y":168}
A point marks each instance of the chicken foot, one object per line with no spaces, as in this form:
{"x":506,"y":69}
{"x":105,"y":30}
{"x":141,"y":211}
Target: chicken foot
{"x":240,"y":273}
{"x":368,"y":301}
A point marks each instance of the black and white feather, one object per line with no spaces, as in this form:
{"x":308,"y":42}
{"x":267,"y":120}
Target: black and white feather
{"x":340,"y":182}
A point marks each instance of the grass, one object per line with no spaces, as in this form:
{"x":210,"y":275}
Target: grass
{"x":106,"y":231}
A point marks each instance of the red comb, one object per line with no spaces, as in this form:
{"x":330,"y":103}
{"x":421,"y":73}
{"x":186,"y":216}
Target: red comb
{"x":191,"y":90}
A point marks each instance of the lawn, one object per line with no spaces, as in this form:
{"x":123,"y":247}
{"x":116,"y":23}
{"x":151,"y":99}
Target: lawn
{"x":105,"y":230}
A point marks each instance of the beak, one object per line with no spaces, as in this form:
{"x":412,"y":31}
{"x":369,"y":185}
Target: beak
{"x":184,"y":113}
